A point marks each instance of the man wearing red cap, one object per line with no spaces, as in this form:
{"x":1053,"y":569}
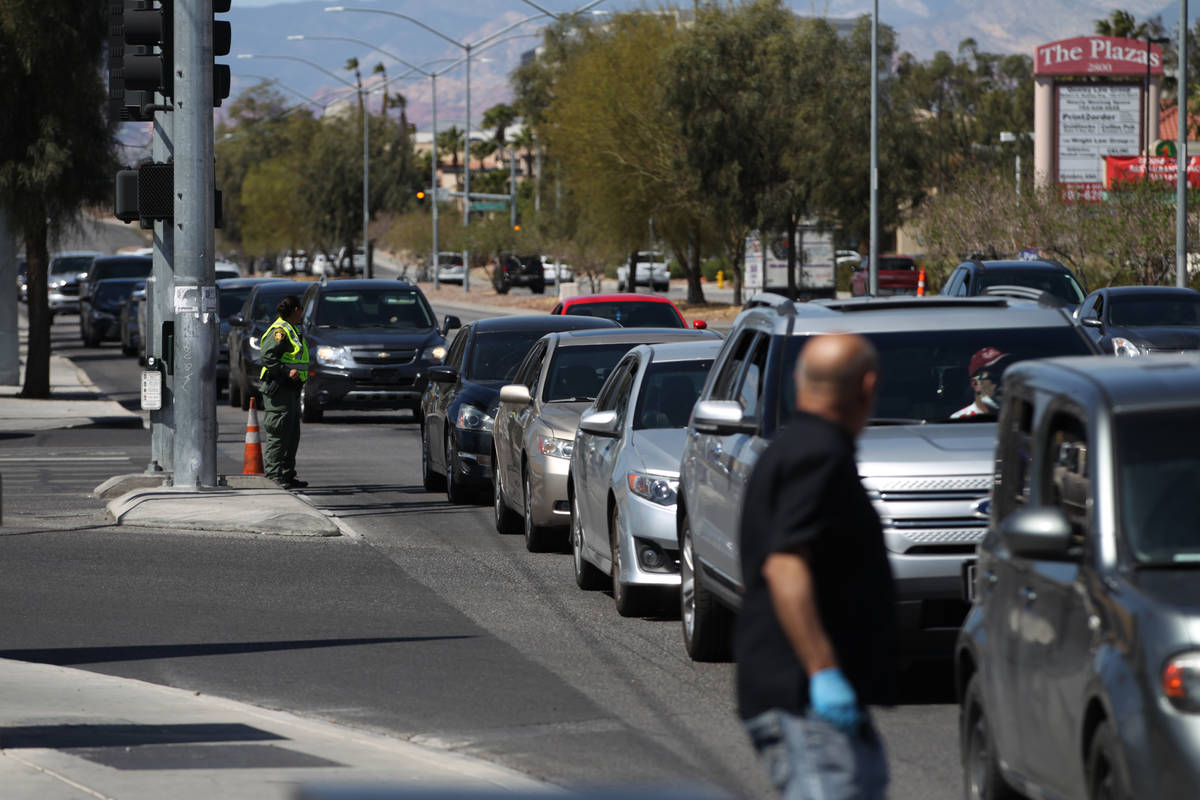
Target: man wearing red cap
{"x":984,"y":371}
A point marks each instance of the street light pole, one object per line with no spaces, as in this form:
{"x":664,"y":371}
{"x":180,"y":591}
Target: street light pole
{"x":1181,"y":153}
{"x":466,"y":256}
{"x":873,"y":247}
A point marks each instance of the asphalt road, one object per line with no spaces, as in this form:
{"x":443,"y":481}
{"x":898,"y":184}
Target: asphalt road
{"x":430,"y":626}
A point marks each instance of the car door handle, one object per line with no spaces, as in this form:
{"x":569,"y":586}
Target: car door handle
{"x":1027,"y":594}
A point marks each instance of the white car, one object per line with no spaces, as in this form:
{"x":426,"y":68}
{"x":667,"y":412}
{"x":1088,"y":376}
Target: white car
{"x":652,"y":271}
{"x":557,"y":273}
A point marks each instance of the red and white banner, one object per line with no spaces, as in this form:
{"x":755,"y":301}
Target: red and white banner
{"x":1159,"y":170}
{"x":1099,"y":55}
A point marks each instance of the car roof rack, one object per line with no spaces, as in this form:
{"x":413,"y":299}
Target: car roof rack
{"x":1024,"y":293}
{"x":869,"y":303}
{"x":771,"y":300}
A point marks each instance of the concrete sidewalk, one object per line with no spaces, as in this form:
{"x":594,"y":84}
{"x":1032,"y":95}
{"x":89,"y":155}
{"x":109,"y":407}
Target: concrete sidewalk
{"x":70,"y":734}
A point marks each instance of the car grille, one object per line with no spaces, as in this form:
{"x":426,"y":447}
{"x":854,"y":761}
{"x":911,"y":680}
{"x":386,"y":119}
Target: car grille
{"x":68,"y":290}
{"x":383,"y":356}
{"x":930,"y":516}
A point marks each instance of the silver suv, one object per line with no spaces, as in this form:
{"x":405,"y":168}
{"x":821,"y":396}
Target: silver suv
{"x":925,"y":461}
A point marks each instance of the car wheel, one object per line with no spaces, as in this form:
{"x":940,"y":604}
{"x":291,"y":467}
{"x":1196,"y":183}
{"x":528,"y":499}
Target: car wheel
{"x":506,"y":520}
{"x":1105,"y":772}
{"x":538,"y":288}
{"x":456,"y":493}
{"x":309,"y":411}
{"x":537,"y":538}
{"x":981,"y":769}
{"x":587,"y":577}
{"x":235,"y":393}
{"x":705,"y":621}
{"x":631,"y":601}
{"x":502,"y":288}
{"x":431,"y":480}
{"x":662,"y":287}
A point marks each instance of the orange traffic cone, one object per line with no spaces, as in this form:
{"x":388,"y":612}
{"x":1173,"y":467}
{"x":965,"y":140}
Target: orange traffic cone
{"x":921,"y":283}
{"x":252,"y":461}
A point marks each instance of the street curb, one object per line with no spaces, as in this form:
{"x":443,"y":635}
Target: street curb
{"x":265,"y":511}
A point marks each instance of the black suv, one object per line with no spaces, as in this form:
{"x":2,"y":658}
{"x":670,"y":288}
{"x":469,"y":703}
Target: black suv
{"x":1016,"y":279}
{"x":512,"y":270}
{"x":369,"y":343}
{"x":103,"y":268}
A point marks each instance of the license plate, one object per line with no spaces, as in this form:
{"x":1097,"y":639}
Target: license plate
{"x":968,"y":573}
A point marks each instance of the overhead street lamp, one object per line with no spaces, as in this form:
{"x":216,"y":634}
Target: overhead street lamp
{"x":366,"y":211}
{"x":467,"y":47}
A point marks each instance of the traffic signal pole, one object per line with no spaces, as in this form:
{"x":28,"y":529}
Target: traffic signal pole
{"x":158,"y":307}
{"x":194,"y":295}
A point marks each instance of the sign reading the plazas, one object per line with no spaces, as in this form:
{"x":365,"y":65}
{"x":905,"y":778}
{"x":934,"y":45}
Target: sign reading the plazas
{"x":1098,"y":55}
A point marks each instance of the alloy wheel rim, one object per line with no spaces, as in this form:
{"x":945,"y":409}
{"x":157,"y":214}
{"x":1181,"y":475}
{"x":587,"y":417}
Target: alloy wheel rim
{"x":618,"y":594}
{"x":576,"y":537}
{"x":979,"y":756}
{"x":497,"y":497}
{"x":527,"y":494}
{"x":424,"y":453}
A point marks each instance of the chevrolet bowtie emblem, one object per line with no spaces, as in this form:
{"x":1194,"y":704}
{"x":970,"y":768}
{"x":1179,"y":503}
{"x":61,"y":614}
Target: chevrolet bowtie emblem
{"x":384,"y":355}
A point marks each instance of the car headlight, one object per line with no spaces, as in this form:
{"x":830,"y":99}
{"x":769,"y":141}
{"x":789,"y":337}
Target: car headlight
{"x":435,"y":353}
{"x":471,"y":418}
{"x":654,"y":488}
{"x":1124,"y":347}
{"x":1181,"y":681}
{"x":553,"y":446}
{"x":334,"y":356}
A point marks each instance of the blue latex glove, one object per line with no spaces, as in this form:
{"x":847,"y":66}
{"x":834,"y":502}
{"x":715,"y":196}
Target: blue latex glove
{"x":833,"y":699}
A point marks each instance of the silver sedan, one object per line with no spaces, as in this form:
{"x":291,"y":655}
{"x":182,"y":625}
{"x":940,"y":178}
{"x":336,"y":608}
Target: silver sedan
{"x":625,"y":471}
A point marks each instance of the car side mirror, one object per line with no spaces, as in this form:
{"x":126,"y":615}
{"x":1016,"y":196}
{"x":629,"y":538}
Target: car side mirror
{"x":1091,"y":322}
{"x":515,"y":393}
{"x":720,"y":417}
{"x":449,"y":323}
{"x":442,"y":374}
{"x":600,"y":423}
{"x":1042,"y":534}
{"x":699,"y":324}
{"x":237,"y":320}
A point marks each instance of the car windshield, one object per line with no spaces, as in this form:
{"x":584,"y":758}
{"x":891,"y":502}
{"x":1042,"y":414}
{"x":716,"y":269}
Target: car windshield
{"x":1158,"y":470}
{"x":1143,"y":312}
{"x":69,"y":265}
{"x":230,"y":299}
{"x":925,"y":376}
{"x":1059,"y":284}
{"x":577,"y":372}
{"x":267,"y":300}
{"x":630,"y":314}
{"x":111,"y":293}
{"x":373,"y":308}
{"x":668,"y":392}
{"x":122,"y":268}
{"x":496,"y":355}
{"x":895,"y":264}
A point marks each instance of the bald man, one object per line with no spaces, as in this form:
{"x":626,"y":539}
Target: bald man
{"x":816,"y":638}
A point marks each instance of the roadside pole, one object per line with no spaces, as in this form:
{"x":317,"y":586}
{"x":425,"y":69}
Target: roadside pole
{"x":158,"y":307}
{"x":1181,"y":154}
{"x":194,"y":295}
{"x":10,"y":363}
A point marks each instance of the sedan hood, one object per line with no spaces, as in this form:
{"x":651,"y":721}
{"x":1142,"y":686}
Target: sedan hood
{"x":1164,"y":338}
{"x":485,"y":394}
{"x":660,"y":449}
{"x":965,"y":448}
{"x":563,"y":418}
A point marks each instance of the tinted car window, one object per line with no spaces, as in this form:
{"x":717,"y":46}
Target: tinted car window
{"x":497,"y":355}
{"x":112,"y":293}
{"x":669,"y":390}
{"x":1059,"y":284}
{"x":229,"y":300}
{"x":373,"y":308}
{"x":69,"y":265}
{"x":630,"y":314}
{"x":578,"y":372}
{"x":923,"y":374}
{"x":1134,"y":312}
{"x":266,"y":301}
{"x":121,"y":268}
{"x":1158,"y":458}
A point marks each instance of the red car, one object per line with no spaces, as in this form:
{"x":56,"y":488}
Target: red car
{"x":628,"y":310}
{"x":897,"y":275}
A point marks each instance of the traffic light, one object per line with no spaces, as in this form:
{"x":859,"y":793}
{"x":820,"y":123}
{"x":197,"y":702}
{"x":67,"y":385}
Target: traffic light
{"x":135,"y":70}
{"x":421,"y":196}
{"x":222,"y":39}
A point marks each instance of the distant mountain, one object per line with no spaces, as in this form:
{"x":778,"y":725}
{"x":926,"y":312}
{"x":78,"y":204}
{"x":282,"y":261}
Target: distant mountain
{"x":924,"y":26}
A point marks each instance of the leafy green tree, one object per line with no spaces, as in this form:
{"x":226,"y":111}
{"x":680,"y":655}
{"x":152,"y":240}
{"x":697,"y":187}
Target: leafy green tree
{"x":1121,"y":23}
{"x":56,"y":145}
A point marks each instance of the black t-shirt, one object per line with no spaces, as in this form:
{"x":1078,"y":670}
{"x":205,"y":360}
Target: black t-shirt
{"x":805,"y":490}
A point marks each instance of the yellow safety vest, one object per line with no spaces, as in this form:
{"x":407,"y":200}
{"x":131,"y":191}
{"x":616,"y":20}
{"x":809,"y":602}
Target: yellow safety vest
{"x":299,"y":353}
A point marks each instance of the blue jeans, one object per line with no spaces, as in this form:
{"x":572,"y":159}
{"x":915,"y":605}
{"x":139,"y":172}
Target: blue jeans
{"x":810,"y":759}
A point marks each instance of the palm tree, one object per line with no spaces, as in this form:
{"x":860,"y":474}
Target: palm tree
{"x":450,"y":141}
{"x":352,"y":64}
{"x":525,"y":140}
{"x":380,"y":69}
